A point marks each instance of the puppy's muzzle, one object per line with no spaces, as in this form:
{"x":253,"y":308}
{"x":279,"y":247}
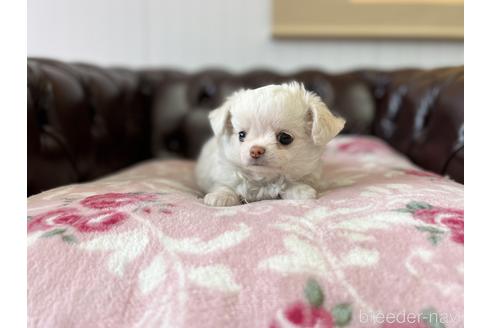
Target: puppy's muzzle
{"x":256,"y":152}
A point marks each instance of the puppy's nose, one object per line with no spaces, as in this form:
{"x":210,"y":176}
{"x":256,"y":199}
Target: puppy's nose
{"x":256,"y":151}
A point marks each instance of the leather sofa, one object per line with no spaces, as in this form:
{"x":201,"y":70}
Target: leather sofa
{"x":85,"y":121}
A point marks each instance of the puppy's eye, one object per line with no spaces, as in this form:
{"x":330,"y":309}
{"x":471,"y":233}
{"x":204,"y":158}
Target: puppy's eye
{"x":284,"y":138}
{"x":242,"y":135}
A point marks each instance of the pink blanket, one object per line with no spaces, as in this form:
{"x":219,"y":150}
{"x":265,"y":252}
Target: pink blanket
{"x":383,"y":247}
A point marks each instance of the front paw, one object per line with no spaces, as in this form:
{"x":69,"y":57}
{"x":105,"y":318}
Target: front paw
{"x":221,"y":198}
{"x":299,"y":192}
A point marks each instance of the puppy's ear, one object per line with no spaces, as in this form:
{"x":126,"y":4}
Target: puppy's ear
{"x":220,"y":118}
{"x":323,"y":124}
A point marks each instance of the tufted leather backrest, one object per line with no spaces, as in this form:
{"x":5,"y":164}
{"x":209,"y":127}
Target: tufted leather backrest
{"x":85,"y":121}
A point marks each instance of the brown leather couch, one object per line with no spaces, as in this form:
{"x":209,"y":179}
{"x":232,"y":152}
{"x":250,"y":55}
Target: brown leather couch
{"x":85,"y":121}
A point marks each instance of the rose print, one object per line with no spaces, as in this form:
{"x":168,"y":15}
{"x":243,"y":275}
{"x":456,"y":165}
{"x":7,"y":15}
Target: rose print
{"x":451,"y":218}
{"x":456,"y":225}
{"x":62,"y":216}
{"x":104,"y":215}
{"x":114,"y":200}
{"x":101,"y":221}
{"x":312,"y":313}
{"x":434,"y":214}
{"x":95,"y":222}
{"x":300,"y":314}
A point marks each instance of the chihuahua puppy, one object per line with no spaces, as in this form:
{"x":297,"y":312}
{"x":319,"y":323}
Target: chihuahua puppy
{"x":267,"y":144}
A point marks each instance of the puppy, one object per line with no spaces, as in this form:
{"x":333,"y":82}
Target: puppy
{"x":267,"y":144}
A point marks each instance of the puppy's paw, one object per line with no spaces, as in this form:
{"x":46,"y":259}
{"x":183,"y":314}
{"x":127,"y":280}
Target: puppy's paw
{"x":221,"y":198}
{"x":299,"y":192}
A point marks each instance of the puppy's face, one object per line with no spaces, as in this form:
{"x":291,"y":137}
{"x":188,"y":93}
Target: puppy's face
{"x":277,"y":129}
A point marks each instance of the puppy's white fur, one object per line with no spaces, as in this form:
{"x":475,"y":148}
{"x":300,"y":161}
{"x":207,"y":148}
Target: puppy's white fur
{"x":228,"y":174}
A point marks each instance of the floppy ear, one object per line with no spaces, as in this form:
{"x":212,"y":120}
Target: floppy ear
{"x":324,"y":125}
{"x":220,"y":118}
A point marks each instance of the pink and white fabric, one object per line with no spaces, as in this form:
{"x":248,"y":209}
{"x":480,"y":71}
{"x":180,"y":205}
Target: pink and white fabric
{"x":382,"y":247}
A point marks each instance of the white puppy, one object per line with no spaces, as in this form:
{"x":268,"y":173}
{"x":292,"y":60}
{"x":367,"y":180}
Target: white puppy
{"x":267,"y":145}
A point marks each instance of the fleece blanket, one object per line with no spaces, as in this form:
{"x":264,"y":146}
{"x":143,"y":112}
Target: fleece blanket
{"x":382,"y":247}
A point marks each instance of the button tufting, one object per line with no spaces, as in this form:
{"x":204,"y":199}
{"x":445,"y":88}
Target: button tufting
{"x":107,"y":119}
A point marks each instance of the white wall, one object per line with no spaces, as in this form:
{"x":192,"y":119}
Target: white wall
{"x":193,"y":34}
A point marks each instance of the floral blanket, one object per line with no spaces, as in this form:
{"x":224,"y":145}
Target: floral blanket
{"x":382,"y":247}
